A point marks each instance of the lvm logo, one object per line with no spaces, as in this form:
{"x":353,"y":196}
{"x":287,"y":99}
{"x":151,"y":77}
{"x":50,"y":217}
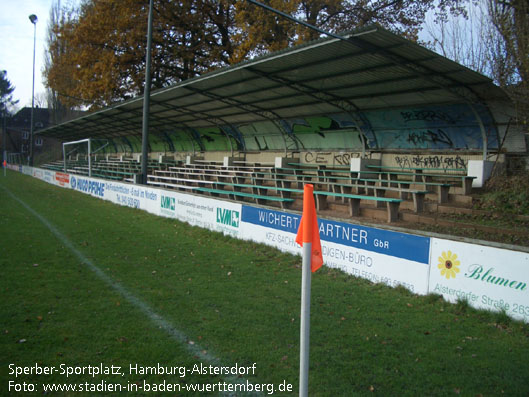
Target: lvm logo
{"x":167,"y":204}
{"x":228,"y":217}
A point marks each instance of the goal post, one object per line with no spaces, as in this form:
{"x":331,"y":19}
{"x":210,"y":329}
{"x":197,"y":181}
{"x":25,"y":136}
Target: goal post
{"x":89,"y":152}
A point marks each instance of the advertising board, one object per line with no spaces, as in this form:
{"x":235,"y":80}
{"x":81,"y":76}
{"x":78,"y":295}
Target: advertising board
{"x":486,"y":277}
{"x":382,"y":256}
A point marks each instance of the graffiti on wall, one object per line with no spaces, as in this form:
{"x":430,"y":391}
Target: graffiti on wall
{"x":439,"y":127}
{"x":434,"y":138}
{"x":433,"y":127}
{"x":431,"y":161}
{"x":428,"y":115}
{"x":330,"y":158}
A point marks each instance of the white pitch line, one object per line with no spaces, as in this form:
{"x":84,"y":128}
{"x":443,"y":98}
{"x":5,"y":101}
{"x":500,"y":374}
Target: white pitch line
{"x":179,"y":336}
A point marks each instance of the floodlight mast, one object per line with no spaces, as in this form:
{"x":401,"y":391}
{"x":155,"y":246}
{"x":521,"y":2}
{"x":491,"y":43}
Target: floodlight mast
{"x":33,"y":18}
{"x":146,"y":100}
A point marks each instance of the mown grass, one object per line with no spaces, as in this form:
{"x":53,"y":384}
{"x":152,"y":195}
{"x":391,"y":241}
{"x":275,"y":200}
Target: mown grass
{"x":239,"y":301}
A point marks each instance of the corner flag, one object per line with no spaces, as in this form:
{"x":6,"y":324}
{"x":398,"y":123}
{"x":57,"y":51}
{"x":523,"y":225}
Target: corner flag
{"x":308,"y":231}
{"x":309,"y":238}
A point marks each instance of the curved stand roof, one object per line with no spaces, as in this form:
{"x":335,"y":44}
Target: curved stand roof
{"x":369,"y":70}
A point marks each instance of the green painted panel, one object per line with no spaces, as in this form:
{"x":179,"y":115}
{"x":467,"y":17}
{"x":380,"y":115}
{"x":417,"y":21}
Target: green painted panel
{"x":262,"y":136}
{"x":214,"y":139}
{"x":322,"y":133}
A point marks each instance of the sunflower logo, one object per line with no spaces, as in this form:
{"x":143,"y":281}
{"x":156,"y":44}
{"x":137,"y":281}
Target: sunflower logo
{"x":448,"y":264}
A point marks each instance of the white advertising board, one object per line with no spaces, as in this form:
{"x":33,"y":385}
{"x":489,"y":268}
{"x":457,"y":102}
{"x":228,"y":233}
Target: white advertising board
{"x":212,"y":214}
{"x":200,"y":211}
{"x":487,"y":277}
{"x":381,"y":256}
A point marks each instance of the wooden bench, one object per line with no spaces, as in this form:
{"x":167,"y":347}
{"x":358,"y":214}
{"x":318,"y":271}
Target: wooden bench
{"x":214,"y":173}
{"x":259,"y":199}
{"x":466,"y":180}
{"x":422,"y":174}
{"x":392,"y":204}
{"x":356,"y":181}
{"x":261,"y":190}
{"x":418,"y":196}
{"x":191,"y":172}
{"x":171,"y":185}
{"x":415,"y":169}
{"x":178,"y":182}
{"x":321,"y":199}
{"x":442,"y":188}
{"x":423,"y":178}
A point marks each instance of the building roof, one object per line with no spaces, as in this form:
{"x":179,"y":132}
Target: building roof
{"x":372,"y":69}
{"x":22,"y":119}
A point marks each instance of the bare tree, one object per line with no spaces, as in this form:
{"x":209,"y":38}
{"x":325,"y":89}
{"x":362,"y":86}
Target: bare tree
{"x":511,"y":21}
{"x":468,"y":39}
{"x":492,"y":38}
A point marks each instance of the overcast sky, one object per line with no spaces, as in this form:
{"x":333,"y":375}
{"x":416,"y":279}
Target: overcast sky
{"x":16,"y":45}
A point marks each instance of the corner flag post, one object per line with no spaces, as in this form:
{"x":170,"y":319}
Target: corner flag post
{"x":309,"y":238}
{"x":5,"y":163}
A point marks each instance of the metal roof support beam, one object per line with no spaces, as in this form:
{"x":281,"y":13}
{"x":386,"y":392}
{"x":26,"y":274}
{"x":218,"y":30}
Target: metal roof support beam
{"x":195,"y":137}
{"x":483,"y":131}
{"x":233,"y":132}
{"x":396,"y":59}
{"x":342,"y":104}
{"x":267,"y":114}
{"x":217,"y":122}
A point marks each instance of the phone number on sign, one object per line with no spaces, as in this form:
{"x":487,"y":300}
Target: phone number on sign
{"x":128,"y":201}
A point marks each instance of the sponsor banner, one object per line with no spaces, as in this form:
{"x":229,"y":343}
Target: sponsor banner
{"x":48,"y":176}
{"x":62,"y":179}
{"x":487,"y":277}
{"x":129,"y":195}
{"x":387,"y":242}
{"x":44,"y":175}
{"x":381,"y":256}
{"x":14,"y":167}
{"x":38,"y":173}
{"x":212,"y":214}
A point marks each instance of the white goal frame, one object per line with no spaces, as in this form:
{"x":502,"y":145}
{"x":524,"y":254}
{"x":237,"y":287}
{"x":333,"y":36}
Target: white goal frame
{"x":89,"y":152}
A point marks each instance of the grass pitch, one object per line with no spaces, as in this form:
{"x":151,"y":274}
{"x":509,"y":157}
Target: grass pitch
{"x":124,"y":288}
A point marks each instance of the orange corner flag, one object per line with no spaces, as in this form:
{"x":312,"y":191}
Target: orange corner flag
{"x":308,"y":231}
{"x":5,"y":164}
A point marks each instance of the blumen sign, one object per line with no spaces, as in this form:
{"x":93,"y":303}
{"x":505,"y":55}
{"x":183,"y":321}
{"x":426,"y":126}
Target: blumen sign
{"x":486,"y":277}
